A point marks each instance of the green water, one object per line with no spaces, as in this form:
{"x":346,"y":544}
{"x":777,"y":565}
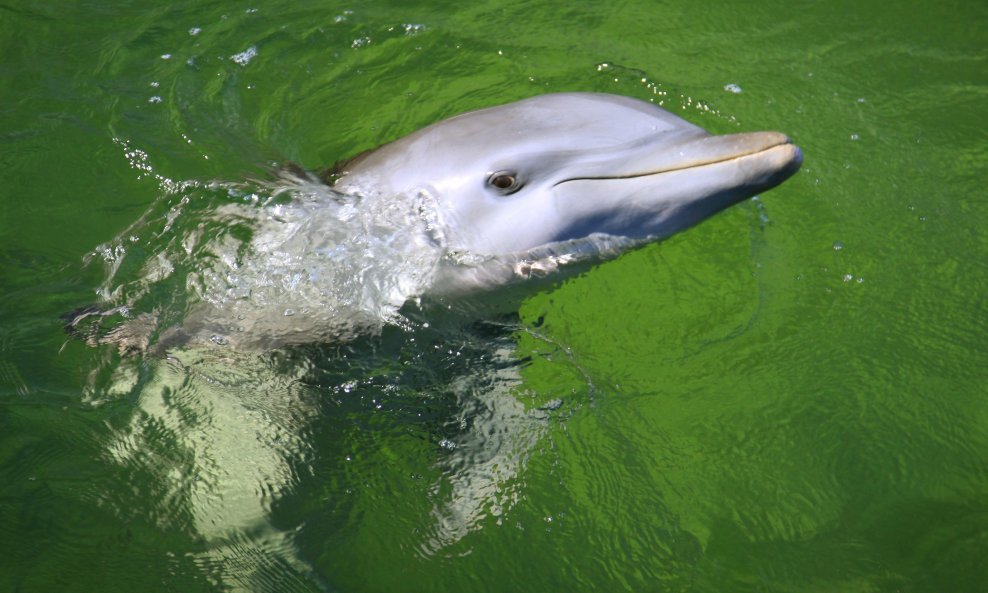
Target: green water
{"x":789,"y":397}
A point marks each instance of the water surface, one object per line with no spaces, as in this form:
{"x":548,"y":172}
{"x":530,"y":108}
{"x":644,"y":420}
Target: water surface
{"x":789,"y":397}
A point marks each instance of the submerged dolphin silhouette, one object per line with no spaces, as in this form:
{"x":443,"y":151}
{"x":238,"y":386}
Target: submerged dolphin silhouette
{"x":563,"y":177}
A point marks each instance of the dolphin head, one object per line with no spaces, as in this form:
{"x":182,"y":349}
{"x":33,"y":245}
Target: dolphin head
{"x":551,"y":175}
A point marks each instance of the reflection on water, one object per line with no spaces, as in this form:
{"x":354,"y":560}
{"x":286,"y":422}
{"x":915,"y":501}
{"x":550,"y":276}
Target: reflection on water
{"x":485,"y":456}
{"x":227,"y":439}
{"x":220,"y":439}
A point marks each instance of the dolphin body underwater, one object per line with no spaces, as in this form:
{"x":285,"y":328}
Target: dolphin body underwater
{"x":509,"y":195}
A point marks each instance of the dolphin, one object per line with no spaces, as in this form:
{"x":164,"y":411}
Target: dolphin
{"x":510,"y":195}
{"x":553,"y":179}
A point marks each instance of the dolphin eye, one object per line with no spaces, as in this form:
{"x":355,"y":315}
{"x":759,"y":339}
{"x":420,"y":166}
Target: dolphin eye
{"x":505,"y":182}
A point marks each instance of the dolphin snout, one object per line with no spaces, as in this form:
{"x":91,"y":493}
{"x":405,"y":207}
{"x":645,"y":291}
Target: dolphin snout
{"x":708,"y":150}
{"x":771,"y":149}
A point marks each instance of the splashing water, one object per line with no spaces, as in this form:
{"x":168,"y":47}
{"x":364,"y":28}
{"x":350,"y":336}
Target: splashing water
{"x":275,"y":263}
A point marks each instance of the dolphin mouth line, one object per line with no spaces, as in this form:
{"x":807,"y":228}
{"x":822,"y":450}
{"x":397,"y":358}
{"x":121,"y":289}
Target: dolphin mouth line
{"x":671,"y":169}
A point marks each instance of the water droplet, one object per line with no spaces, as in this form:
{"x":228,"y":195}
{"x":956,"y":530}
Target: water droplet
{"x":244,"y":57}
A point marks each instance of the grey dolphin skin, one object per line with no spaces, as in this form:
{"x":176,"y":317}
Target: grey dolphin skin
{"x":567,"y":175}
